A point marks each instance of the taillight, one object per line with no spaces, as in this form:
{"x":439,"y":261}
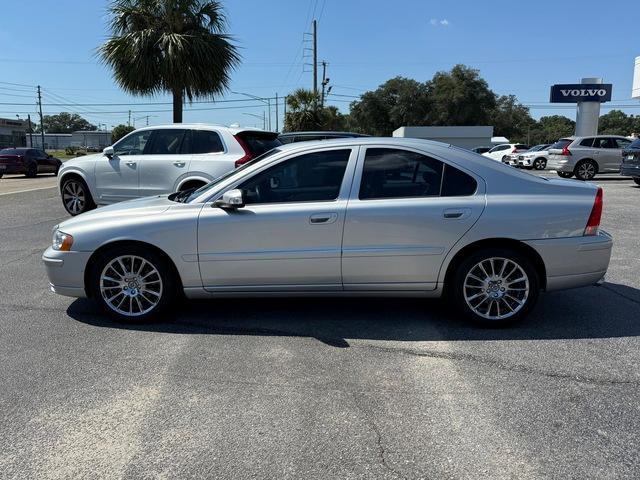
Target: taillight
{"x":596,"y":213}
{"x":565,"y":151}
{"x":247,"y":153}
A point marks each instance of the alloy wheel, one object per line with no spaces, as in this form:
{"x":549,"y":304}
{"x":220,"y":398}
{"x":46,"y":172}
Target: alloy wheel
{"x":74,"y":197}
{"x":586,"y":171}
{"x":496,"y":288}
{"x":131,"y":286}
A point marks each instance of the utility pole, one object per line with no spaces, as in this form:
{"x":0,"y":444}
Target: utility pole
{"x":277,"y":125}
{"x":41,"y":120}
{"x":30,"y":131}
{"x":315,"y":58}
{"x":325,"y":82}
{"x":129,"y":121}
{"x":269,"y":106}
{"x":284,"y":113}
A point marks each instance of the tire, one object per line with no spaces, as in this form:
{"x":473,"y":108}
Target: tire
{"x":55,"y":172}
{"x":76,"y":197}
{"x":540,"y":164}
{"x":133,"y":284}
{"x":565,"y":174}
{"x":585,"y":170}
{"x":32,"y":170}
{"x":497,"y":291}
{"x":1,"y":174}
{"x":193,"y":184}
{"x":504,"y":159}
{"x":635,"y":179}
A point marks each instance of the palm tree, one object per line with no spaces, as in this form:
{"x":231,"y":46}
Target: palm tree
{"x":302,"y":111}
{"x":175,"y":46}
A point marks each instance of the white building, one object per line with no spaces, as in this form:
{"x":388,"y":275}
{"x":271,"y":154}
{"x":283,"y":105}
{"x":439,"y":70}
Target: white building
{"x":83,"y":139}
{"x":12,"y":132}
{"x":465,"y":137}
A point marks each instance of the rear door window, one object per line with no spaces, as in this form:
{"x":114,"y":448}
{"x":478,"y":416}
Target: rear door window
{"x":395,"y":173}
{"x":165,"y":141}
{"x":604,"y":143}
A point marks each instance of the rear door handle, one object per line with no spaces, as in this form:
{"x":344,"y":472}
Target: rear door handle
{"x":130,"y":164}
{"x":454,"y":213}
{"x":179,"y":164}
{"x":323,"y":218}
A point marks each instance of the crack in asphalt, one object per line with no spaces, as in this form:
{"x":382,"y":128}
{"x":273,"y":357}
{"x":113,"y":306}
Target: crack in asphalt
{"x":31,"y":253}
{"x":519,"y":368}
{"x":382,"y":457}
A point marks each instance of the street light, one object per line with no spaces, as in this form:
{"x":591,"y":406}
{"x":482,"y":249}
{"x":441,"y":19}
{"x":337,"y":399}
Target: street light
{"x":264,"y":120}
{"x":263,"y":100}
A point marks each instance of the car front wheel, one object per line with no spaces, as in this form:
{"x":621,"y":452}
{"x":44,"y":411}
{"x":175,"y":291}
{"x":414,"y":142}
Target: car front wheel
{"x":540,"y":164}
{"x":496,"y":287}
{"x":133,"y":284}
{"x":76,"y":197}
{"x":637,"y":180}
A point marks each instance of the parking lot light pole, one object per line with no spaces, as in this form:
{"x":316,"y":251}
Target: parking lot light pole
{"x":266,"y":101}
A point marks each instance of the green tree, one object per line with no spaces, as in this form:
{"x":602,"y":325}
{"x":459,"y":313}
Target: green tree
{"x":332,"y":120}
{"x":120,"y":131}
{"x":397,"y":102}
{"x":175,"y":46}
{"x":616,"y":122}
{"x":511,"y":119}
{"x":551,"y":128}
{"x":64,"y":123}
{"x":459,"y":97}
{"x":302,"y":112}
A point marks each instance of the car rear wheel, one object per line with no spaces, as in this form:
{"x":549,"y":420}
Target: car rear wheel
{"x":539,"y":164}
{"x":565,"y":174}
{"x":76,"y":197}
{"x":496,"y":287}
{"x":586,"y":170}
{"x":636,"y":179}
{"x":32,"y":170}
{"x":133,"y":284}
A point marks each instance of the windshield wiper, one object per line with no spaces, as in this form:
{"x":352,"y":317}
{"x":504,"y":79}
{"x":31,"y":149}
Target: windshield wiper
{"x":183,"y":195}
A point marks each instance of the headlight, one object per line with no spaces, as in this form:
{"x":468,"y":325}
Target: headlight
{"x":62,"y":241}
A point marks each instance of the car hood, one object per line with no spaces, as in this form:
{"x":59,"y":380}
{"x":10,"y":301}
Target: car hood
{"x":119,"y":212}
{"x":82,"y":161}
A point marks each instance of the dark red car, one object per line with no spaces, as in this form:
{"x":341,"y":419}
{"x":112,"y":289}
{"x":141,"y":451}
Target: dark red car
{"x":28,"y":161}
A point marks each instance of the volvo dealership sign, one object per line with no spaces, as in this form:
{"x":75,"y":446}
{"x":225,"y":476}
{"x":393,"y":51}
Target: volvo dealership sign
{"x":581,"y":92}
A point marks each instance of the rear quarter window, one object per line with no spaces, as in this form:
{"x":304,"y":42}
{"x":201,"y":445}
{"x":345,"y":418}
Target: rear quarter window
{"x":456,"y":183}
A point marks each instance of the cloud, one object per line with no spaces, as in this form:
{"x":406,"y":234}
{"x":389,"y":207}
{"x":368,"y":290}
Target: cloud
{"x":435,"y":22}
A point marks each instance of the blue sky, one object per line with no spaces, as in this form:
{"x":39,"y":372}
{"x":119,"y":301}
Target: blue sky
{"x":519,"y":47}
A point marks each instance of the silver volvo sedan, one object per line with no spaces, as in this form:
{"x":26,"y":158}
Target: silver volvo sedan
{"x":357,"y":217}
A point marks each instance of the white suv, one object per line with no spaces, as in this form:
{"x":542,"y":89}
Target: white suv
{"x":158,"y":160}
{"x":501,"y":152}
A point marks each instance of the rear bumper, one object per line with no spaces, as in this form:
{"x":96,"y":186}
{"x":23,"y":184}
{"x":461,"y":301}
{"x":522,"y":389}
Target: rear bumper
{"x":575,"y":261}
{"x":66,"y":271}
{"x":561,"y":163}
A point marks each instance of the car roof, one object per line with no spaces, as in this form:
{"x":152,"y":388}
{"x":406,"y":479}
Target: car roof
{"x":204,"y":126}
{"x":320,"y":132}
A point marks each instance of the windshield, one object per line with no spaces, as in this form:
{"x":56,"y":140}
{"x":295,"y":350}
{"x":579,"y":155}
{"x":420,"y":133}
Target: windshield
{"x":192,"y":195}
{"x":560,"y":144}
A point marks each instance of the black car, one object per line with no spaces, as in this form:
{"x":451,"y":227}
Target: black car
{"x":631,"y":161}
{"x":27,"y":161}
{"x":292,"y":137}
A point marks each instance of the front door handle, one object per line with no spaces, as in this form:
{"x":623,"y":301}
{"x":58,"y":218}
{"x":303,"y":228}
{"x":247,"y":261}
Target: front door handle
{"x":454,"y":213}
{"x":179,"y":164}
{"x":130,"y":164}
{"x":323,"y":218}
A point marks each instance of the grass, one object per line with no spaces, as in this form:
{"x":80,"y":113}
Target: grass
{"x":62,"y":155}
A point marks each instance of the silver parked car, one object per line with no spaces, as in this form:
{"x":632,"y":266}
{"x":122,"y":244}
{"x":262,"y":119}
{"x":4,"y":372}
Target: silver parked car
{"x":585,"y":157}
{"x":158,"y":159}
{"x":358,"y":216}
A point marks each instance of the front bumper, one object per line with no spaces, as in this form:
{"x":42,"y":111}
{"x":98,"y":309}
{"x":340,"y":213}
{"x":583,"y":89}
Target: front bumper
{"x":15,"y":169}
{"x":630,"y":170}
{"x":575,"y":261}
{"x":66,"y":271}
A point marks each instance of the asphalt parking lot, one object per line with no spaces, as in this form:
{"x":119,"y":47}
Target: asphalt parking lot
{"x":329,"y":388}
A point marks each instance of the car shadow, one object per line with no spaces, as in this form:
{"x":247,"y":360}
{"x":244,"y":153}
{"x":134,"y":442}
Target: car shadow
{"x":609,"y":311}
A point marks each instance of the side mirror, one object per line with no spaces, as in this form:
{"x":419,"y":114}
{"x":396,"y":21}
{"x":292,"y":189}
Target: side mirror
{"x":108,"y":152}
{"x":231,"y":200}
